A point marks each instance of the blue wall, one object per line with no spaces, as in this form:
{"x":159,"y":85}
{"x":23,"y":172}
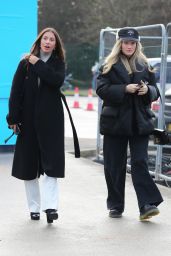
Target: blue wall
{"x":18,"y":30}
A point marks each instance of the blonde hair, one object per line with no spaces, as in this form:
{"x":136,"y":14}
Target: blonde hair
{"x":130,"y":64}
{"x":59,"y":49}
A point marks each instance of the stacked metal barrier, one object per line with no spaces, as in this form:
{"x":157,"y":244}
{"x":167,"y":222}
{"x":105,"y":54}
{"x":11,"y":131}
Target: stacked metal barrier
{"x":155,"y":40}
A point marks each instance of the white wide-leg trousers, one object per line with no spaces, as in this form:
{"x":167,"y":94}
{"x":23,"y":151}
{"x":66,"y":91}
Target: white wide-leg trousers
{"x":44,"y":198}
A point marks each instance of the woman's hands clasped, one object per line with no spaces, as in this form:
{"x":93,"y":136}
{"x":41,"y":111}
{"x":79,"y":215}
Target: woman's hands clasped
{"x":132,"y":88}
{"x":139,"y":89}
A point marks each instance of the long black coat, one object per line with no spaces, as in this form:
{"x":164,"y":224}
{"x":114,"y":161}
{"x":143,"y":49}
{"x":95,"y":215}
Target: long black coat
{"x":125,"y":112}
{"x":38,"y":107}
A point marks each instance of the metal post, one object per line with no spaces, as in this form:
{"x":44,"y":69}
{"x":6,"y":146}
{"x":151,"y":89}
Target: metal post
{"x":162,"y":104}
{"x":101,"y":56}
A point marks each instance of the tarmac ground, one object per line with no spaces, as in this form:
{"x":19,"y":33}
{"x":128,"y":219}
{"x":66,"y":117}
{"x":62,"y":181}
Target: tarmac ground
{"x":83,"y":227}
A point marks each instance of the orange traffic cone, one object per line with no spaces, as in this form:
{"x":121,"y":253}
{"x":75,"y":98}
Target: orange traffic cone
{"x":76,"y":98}
{"x":90,"y":104}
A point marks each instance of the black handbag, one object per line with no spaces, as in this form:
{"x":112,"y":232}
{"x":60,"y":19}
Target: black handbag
{"x":161,"y":137}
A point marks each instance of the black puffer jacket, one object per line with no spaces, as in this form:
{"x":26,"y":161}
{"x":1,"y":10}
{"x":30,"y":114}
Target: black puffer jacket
{"x":123,"y":113}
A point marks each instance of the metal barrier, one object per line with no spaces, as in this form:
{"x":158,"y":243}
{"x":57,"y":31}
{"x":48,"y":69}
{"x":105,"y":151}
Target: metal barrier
{"x":159,"y":174}
{"x":152,"y":37}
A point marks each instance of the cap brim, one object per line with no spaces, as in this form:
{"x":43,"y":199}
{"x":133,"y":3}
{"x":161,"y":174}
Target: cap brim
{"x":129,"y":39}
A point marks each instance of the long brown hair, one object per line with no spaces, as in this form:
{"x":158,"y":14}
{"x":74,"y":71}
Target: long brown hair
{"x":59,"y":49}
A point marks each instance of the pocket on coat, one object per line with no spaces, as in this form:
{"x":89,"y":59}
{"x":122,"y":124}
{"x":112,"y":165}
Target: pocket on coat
{"x":151,"y":116}
{"x":150,"y":113}
{"x":147,"y":121}
{"x":109,"y":120}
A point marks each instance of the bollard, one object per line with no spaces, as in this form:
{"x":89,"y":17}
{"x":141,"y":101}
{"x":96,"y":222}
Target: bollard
{"x":76,"y":98}
{"x":90,"y":103}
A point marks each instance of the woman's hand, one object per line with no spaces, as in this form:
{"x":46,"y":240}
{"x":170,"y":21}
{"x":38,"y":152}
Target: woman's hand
{"x":143,"y":88}
{"x":27,"y":56}
{"x":13,"y":127}
{"x":132,"y":88}
{"x":33,"y":59}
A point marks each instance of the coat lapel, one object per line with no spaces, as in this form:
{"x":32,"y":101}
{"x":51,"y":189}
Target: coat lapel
{"x":125,"y":77}
{"x":122,"y":72}
{"x":138,"y":76}
{"x":51,"y":59}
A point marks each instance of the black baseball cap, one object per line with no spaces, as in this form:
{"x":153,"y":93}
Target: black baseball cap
{"x":128,"y":34}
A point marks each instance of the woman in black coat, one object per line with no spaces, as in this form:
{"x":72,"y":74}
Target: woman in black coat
{"x":35,"y":108}
{"x":127,"y":86}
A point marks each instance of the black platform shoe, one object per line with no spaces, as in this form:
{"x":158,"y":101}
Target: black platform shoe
{"x":148,"y":211}
{"x":51,"y":215}
{"x":113,"y":213}
{"x":35,"y":215}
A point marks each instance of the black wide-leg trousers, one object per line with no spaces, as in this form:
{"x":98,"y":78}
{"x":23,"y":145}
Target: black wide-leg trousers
{"x":115,"y":159}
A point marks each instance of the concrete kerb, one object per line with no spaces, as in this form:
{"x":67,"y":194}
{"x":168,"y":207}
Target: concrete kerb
{"x":89,"y":153}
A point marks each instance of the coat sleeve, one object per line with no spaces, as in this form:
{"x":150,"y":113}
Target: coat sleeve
{"x":153,"y":91}
{"x":113,"y":93}
{"x":52,"y":75}
{"x":16,"y":94}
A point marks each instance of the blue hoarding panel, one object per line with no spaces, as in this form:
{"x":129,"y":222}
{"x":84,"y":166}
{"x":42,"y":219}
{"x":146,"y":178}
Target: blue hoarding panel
{"x":18,"y":30}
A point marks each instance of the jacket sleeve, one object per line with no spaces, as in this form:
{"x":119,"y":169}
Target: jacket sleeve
{"x":53,"y":76}
{"x":153,"y":91}
{"x":113,"y":93}
{"x":16,"y":94}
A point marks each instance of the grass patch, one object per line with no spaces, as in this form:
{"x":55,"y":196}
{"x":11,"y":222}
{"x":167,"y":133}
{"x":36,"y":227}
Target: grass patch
{"x":82,"y":92}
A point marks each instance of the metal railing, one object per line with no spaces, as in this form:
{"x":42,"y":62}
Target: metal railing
{"x":107,"y":40}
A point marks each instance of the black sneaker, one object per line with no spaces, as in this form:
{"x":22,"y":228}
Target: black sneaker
{"x":148,"y":211}
{"x":113,"y":213}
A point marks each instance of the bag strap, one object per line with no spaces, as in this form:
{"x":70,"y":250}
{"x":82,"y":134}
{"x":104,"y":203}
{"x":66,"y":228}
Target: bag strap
{"x":7,"y":139}
{"x":75,"y":137}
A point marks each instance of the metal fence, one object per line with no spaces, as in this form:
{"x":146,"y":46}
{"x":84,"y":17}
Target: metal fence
{"x":156,"y":43}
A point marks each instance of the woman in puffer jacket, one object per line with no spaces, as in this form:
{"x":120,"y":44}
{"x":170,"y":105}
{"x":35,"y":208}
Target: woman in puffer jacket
{"x":127,"y":86}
